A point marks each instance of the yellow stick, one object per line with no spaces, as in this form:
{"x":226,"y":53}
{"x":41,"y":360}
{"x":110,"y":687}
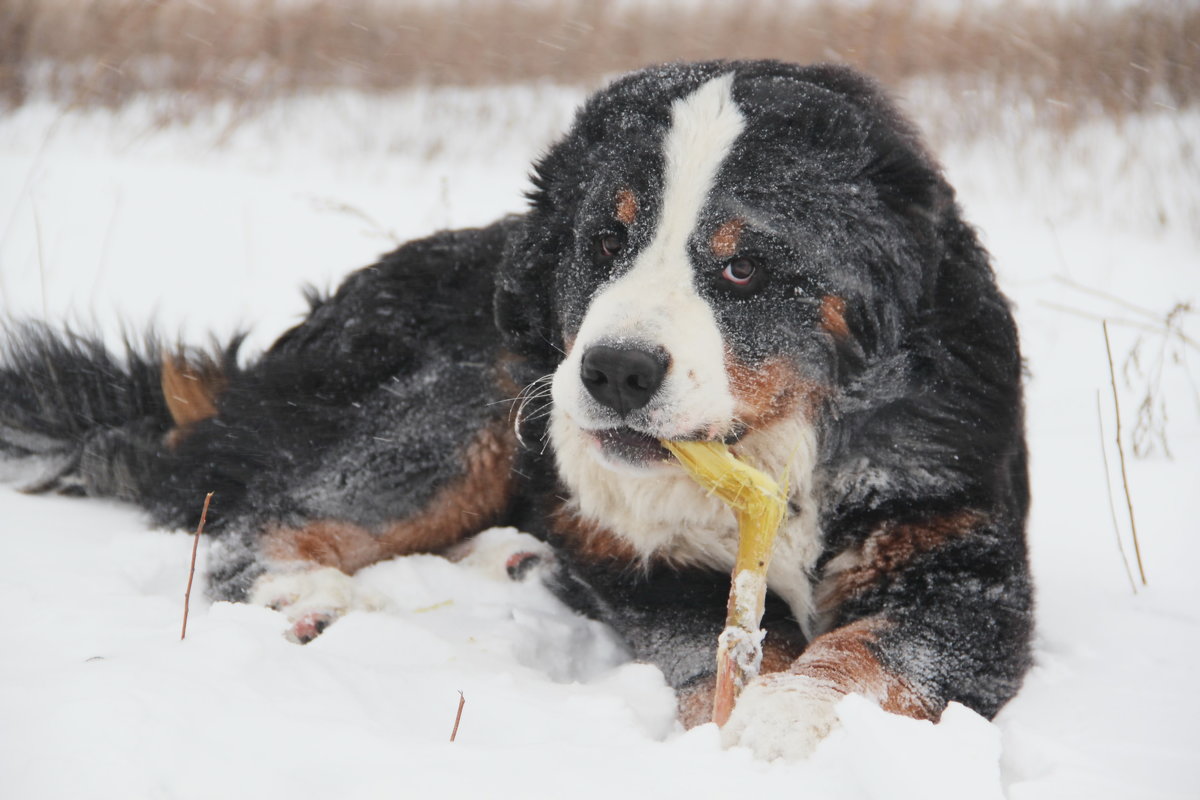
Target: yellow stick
{"x":758,"y":504}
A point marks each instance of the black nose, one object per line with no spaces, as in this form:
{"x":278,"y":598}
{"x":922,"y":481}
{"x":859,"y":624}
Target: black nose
{"x":624,"y":379}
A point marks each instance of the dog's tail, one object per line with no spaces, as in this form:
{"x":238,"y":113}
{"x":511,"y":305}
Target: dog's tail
{"x":97,"y":423}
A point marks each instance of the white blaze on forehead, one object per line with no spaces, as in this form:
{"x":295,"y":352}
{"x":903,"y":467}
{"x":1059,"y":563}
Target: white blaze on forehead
{"x":704,"y":126}
{"x":655,"y":304}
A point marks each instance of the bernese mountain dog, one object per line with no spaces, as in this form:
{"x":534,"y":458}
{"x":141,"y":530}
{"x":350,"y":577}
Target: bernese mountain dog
{"x":753,"y":252}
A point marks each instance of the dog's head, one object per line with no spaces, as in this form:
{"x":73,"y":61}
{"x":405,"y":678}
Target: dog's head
{"x":714,"y":248}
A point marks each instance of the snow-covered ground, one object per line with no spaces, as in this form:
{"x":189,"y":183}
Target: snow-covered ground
{"x":109,"y":218}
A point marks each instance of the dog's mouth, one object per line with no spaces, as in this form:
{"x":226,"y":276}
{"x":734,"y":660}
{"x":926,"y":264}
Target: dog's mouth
{"x":630,"y":447}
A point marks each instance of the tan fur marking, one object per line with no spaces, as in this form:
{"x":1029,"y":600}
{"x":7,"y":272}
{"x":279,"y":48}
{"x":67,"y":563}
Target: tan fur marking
{"x":626,"y":207}
{"x":468,"y":505}
{"x":842,"y":659}
{"x":887,"y":550}
{"x":190,"y":390}
{"x":508,"y":363}
{"x":770,"y":392}
{"x":588,"y":541}
{"x":833,"y":316}
{"x":724,"y":241}
{"x":696,"y":701}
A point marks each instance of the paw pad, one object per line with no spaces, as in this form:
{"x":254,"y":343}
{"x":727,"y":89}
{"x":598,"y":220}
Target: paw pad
{"x":309,"y":627}
{"x":519,"y":564}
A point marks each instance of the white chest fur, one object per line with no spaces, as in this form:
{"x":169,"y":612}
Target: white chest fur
{"x":664,"y":514}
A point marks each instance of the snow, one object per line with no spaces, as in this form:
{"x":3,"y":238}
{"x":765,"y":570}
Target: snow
{"x":215,"y":224}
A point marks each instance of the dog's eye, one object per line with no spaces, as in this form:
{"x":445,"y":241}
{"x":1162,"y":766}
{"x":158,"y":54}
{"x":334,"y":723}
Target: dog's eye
{"x":609,"y":244}
{"x":740,"y":271}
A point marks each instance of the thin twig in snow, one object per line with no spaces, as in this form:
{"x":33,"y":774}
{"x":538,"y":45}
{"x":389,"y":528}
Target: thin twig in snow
{"x":187,"y":595}
{"x":1112,"y":298}
{"x":104,"y":247}
{"x":1112,"y":374}
{"x":1112,"y":506}
{"x":1128,"y":323}
{"x":41,"y":254}
{"x":462,"y":701}
{"x":376,"y":228}
{"x":1082,"y":314}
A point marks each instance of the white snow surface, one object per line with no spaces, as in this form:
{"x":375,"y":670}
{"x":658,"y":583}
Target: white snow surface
{"x":115,"y":219}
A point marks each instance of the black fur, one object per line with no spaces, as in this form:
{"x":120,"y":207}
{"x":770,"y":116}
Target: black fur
{"x":359,"y":414}
{"x":363,"y":411}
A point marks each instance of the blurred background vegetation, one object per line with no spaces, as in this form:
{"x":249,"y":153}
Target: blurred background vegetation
{"x":1067,"y":62}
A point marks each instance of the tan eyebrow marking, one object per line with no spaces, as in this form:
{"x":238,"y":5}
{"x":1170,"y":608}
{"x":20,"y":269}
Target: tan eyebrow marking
{"x":833,"y":316}
{"x":626,"y":207}
{"x":724,"y":241}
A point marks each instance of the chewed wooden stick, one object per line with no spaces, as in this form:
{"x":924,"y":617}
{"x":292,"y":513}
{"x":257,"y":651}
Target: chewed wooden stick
{"x":759,"y":504}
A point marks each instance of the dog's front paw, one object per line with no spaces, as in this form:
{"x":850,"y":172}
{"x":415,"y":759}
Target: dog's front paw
{"x":505,"y":554}
{"x":782,"y":715}
{"x":312,"y":599}
{"x":309,"y":627}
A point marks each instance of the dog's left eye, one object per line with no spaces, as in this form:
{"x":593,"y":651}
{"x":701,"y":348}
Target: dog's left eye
{"x":740,"y":271}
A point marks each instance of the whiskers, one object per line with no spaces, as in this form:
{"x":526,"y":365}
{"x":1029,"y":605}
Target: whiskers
{"x":531,"y":404}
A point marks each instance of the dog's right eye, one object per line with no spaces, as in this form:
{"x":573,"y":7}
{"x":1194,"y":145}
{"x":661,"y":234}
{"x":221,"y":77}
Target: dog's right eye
{"x":608,"y":244}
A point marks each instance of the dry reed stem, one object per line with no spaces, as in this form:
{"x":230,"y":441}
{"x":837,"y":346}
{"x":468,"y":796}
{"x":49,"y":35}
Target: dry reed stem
{"x":1112,"y":373}
{"x":1125,"y":323}
{"x":187,"y":595}
{"x":1154,"y":320}
{"x":1112,"y":506}
{"x":41,"y":256}
{"x":462,"y":701}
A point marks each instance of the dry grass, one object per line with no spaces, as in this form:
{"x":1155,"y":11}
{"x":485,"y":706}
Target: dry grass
{"x":1073,"y":65}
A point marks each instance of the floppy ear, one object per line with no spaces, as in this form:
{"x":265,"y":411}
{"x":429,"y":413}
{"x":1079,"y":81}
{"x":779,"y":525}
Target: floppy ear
{"x":860,"y":114}
{"x":545,"y":236}
{"x":906,"y":174}
{"x":910,"y":182}
{"x":525,"y":288}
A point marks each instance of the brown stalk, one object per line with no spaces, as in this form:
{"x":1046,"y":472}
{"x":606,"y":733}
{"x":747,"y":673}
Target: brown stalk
{"x":1112,"y":374}
{"x":187,"y":595}
{"x":462,"y":701}
{"x":1112,"y":507}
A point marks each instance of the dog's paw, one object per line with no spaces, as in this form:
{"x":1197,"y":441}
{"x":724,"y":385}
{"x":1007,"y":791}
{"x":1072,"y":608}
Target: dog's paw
{"x":312,"y":599}
{"x":308,"y":627}
{"x":504,"y":554}
{"x":782,"y":715}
